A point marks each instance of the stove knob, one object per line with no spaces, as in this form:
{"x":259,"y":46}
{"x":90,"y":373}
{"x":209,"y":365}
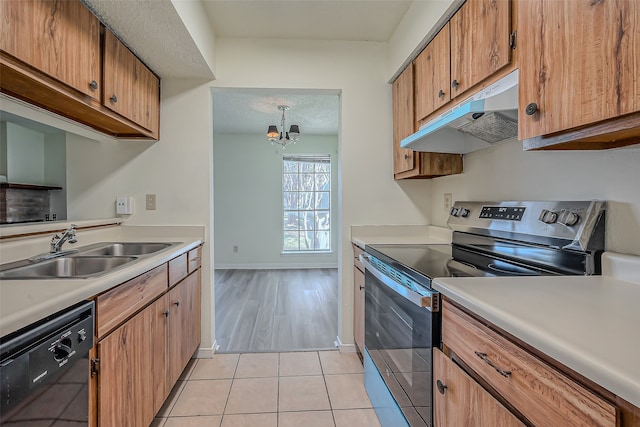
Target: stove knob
{"x":568,"y":218}
{"x":548,"y":217}
{"x":464,"y":212}
{"x":454,"y":212}
{"x":82,"y":335}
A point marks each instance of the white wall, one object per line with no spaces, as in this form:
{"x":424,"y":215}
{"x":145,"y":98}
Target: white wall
{"x":248,"y":201}
{"x":25,"y":155}
{"x":177,"y":168}
{"x":55,"y":171}
{"x":369,"y":194}
{"x":506,"y":172}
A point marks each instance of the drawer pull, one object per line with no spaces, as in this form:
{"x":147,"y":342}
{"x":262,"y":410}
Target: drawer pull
{"x":484,"y":357}
{"x":441,"y":387}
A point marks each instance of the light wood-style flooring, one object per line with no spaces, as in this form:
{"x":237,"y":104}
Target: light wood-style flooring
{"x":276,"y":310}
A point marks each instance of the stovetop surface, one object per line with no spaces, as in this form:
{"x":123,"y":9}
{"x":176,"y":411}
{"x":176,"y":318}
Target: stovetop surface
{"x":424,"y":262}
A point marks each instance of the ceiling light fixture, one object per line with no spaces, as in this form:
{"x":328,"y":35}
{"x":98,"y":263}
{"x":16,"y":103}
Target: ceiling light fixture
{"x":283,"y":138}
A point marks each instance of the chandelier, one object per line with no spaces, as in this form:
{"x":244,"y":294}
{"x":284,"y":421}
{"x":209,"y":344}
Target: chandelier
{"x":283,"y":138}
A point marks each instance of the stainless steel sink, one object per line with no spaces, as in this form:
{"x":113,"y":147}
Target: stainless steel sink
{"x":88,"y":261}
{"x":124,"y":249}
{"x":67,"y":267}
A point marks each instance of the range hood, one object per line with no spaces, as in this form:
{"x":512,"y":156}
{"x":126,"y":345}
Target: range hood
{"x":480,"y":121}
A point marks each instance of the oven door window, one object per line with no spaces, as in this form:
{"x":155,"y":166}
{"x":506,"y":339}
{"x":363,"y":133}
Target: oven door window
{"x":399,"y":336}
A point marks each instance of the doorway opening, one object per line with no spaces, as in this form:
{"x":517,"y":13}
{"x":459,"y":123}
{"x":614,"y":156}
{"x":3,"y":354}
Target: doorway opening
{"x":276,"y":215}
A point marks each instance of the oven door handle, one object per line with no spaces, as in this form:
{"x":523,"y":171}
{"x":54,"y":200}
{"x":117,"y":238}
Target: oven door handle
{"x":431,"y":301}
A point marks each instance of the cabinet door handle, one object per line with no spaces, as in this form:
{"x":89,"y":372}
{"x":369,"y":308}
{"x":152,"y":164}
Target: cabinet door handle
{"x":484,"y":357}
{"x":531,"y":109}
{"x":455,"y":84}
{"x":114,"y":99}
{"x":441,"y":94}
{"x":93,"y":84}
{"x":165,"y":313}
{"x":406,"y":157}
{"x":441,"y":387}
{"x":177,"y":303}
{"x":361,"y":287}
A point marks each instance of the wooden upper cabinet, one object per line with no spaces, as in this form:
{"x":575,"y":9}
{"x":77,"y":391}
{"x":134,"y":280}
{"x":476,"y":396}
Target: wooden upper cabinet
{"x":407,"y":163}
{"x":579,"y":64}
{"x":433,"y":75}
{"x":403,"y":120}
{"x":480,"y":46}
{"x":59,"y":38}
{"x":131,"y":89}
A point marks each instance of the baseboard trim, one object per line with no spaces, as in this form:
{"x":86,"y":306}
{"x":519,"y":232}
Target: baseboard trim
{"x":345,"y":348}
{"x":206,"y":353}
{"x":283,"y":266}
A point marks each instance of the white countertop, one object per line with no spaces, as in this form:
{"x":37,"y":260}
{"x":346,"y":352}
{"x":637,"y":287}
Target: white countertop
{"x":23,"y":302}
{"x":363,"y":235}
{"x":590,"y":324}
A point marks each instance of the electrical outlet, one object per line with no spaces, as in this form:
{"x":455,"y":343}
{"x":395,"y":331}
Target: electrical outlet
{"x":151,"y":202}
{"x":447,"y":202}
{"x":235,"y":249}
{"x":124,"y":205}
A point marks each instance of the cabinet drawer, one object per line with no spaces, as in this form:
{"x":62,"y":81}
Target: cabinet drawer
{"x":178,"y":269}
{"x":194,"y":259}
{"x":356,"y":257}
{"x":455,"y":394}
{"x":115,"y":306}
{"x":540,"y":392}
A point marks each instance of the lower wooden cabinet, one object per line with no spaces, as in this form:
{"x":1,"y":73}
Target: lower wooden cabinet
{"x":184,"y":324}
{"x":125,"y":383}
{"x":534,"y":389}
{"x":138,"y":363}
{"x":460,"y":401}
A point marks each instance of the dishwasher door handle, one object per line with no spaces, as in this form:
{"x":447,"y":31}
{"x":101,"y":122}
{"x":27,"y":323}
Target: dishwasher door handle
{"x":431,"y":301}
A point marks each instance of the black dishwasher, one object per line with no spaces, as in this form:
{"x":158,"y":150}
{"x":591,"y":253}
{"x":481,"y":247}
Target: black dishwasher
{"x":44,"y":370}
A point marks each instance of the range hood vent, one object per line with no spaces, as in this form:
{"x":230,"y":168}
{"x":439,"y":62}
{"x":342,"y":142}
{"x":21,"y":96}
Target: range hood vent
{"x":480,"y":121}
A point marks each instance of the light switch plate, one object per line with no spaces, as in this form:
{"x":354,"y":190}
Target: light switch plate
{"x":151,"y":202}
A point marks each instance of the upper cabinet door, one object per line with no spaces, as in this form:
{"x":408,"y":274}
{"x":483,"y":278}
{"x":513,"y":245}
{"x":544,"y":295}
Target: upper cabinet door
{"x":480,"y":33}
{"x":130,"y":88}
{"x":579,"y":63}
{"x":61,"y":38}
{"x":433,"y":75}
{"x":403,"y":121}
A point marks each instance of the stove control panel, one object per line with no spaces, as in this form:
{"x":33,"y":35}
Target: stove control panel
{"x":571,"y":221}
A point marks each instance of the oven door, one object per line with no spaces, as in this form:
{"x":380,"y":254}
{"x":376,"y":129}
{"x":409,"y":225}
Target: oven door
{"x":399,"y":336}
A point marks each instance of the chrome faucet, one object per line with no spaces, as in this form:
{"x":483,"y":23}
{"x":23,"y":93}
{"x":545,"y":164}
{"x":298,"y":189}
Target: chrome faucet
{"x":58,"y":240}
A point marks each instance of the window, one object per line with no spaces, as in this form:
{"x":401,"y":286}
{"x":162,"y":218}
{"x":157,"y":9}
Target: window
{"x":306,"y":198}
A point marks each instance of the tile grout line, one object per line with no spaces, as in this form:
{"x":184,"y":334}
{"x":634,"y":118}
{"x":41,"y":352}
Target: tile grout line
{"x":324,"y":379}
{"x":233,"y":378}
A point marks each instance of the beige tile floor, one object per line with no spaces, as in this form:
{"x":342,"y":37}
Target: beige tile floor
{"x":298,"y":389}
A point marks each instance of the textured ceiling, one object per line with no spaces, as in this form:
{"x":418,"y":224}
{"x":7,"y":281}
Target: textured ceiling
{"x":352,"y":20}
{"x":154,"y":31}
{"x":252,"y":111}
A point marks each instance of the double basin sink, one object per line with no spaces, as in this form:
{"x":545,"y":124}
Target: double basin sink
{"x":88,"y":261}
